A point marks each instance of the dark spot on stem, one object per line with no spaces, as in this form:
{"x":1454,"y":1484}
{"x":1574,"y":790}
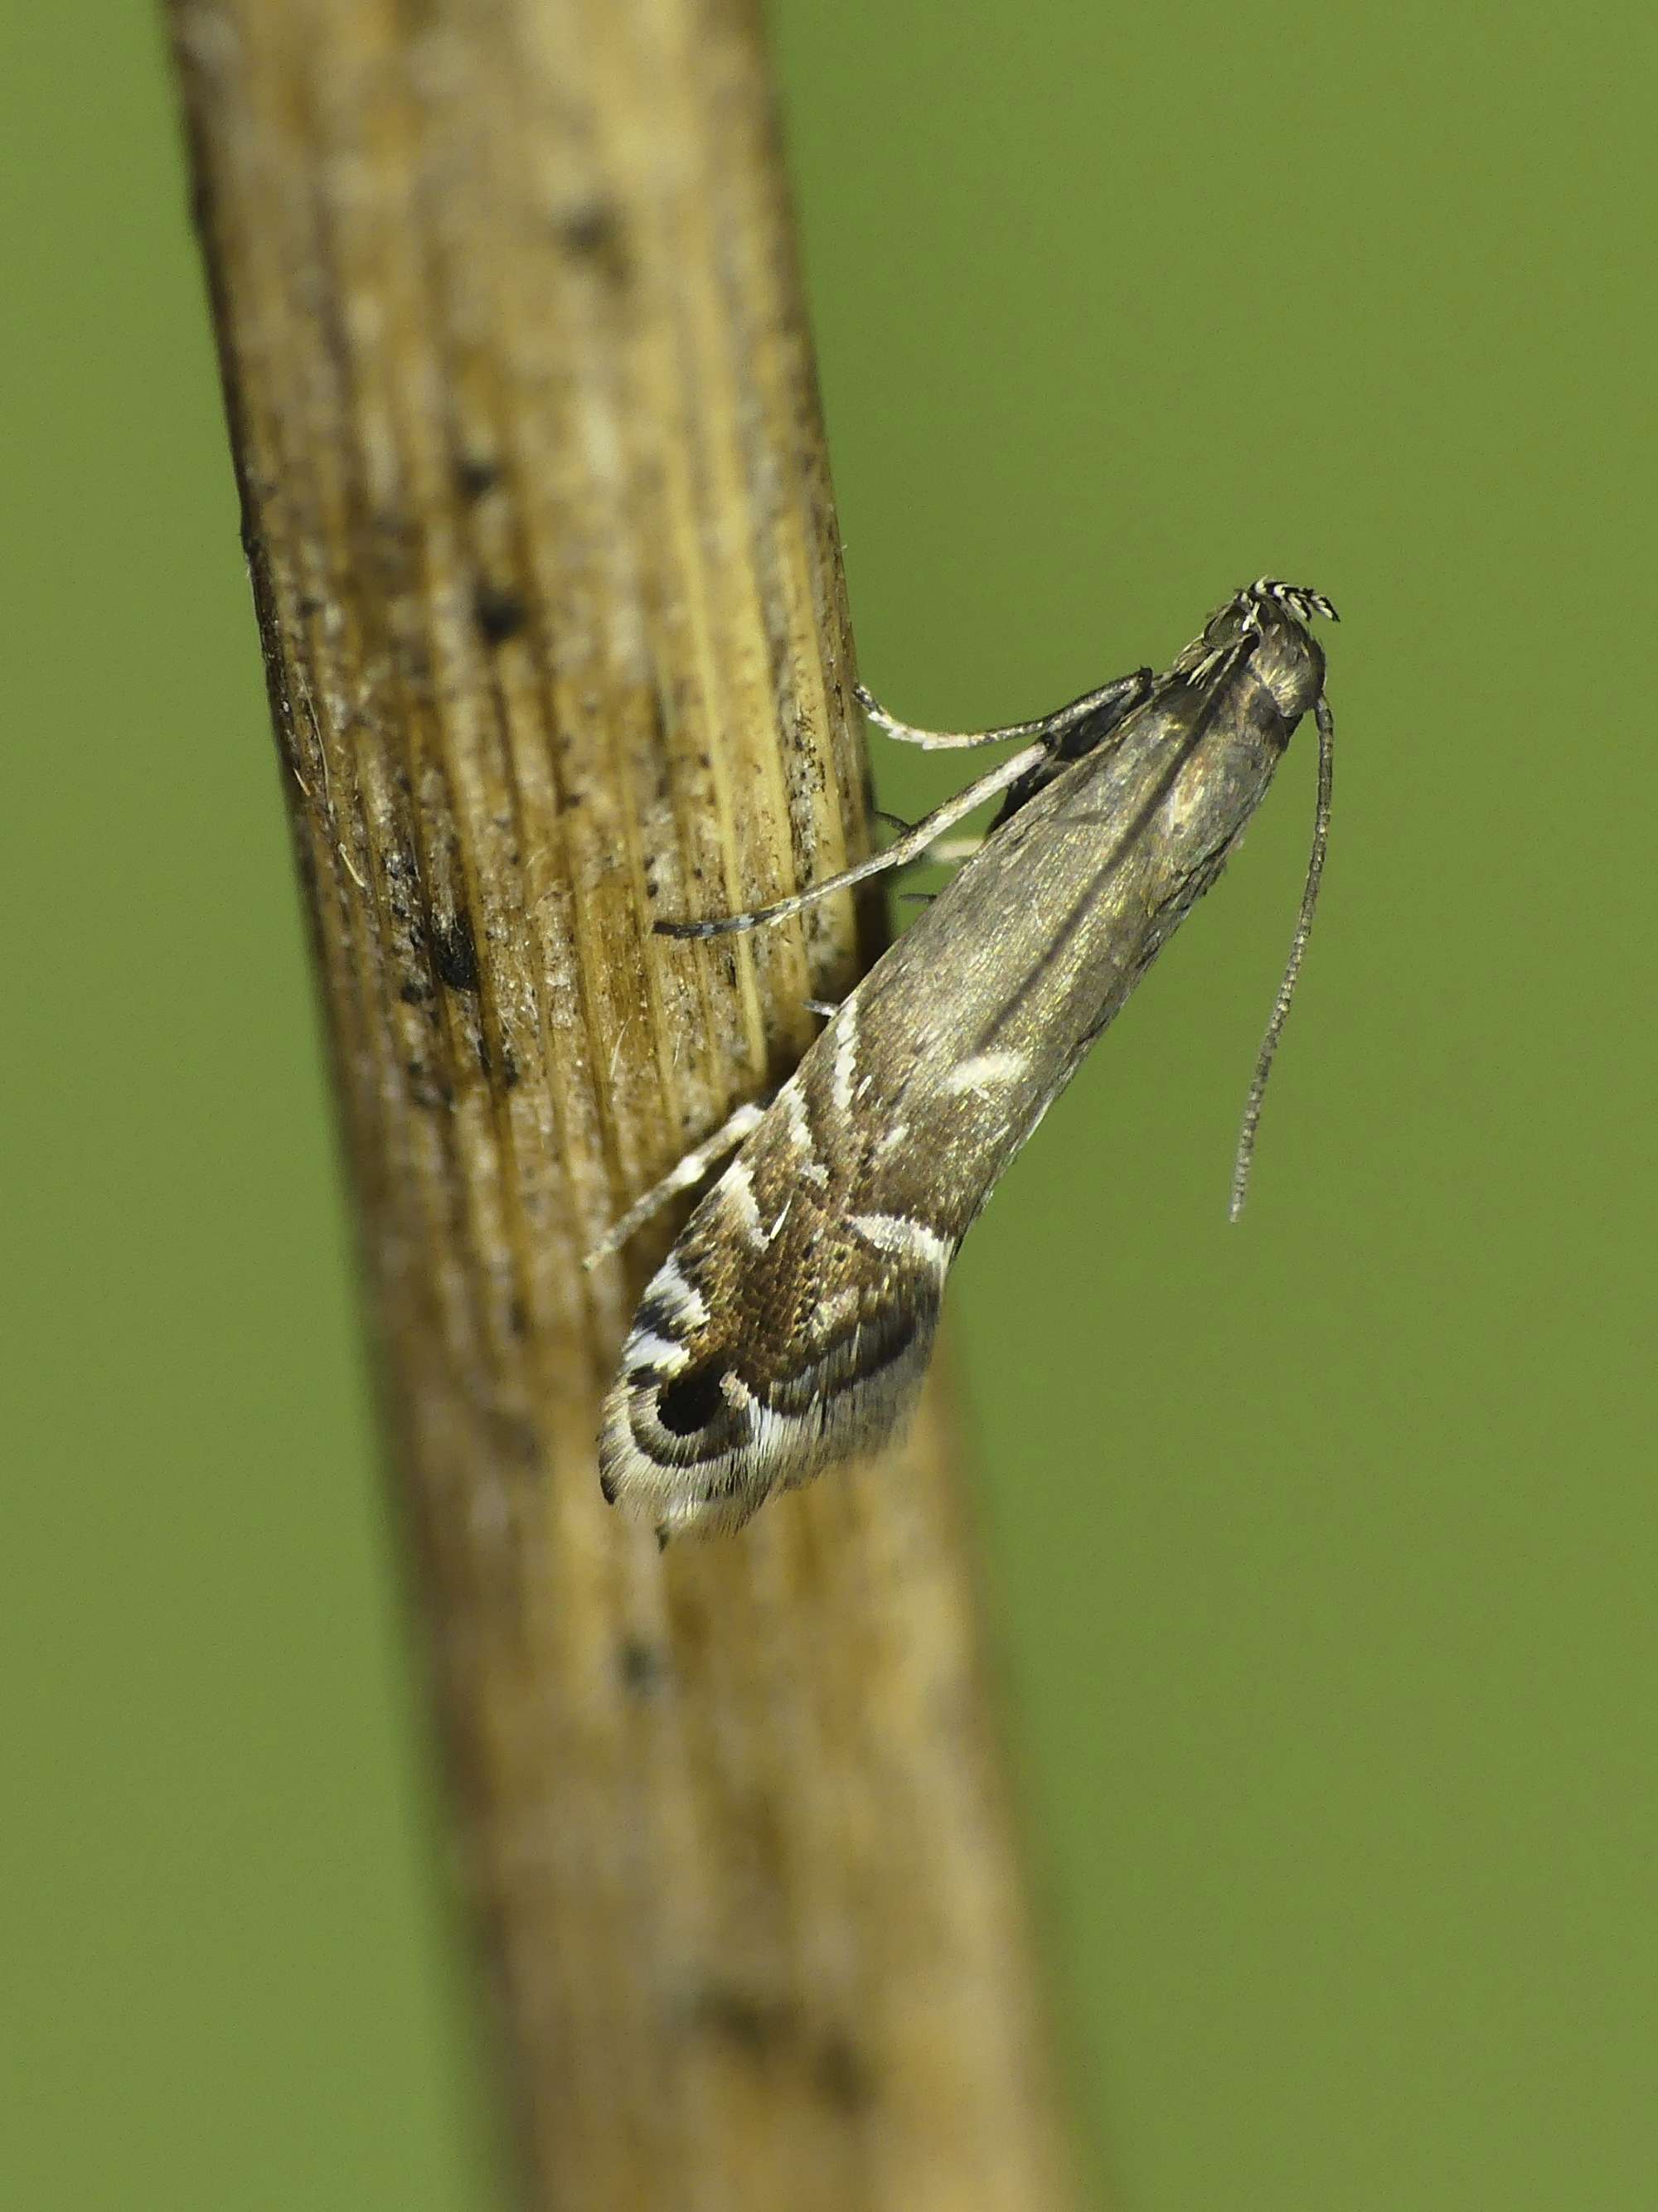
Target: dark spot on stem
{"x":427,"y":1090}
{"x":755,"y":2025}
{"x":454,"y":951}
{"x":475,"y":474}
{"x":640,"y":1665}
{"x":842,"y":2075}
{"x":595,"y":232}
{"x":499,"y":613}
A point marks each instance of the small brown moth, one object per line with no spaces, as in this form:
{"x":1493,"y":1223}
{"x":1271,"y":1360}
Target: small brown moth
{"x":790,"y":1325}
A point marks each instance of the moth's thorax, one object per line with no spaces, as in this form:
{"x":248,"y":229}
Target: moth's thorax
{"x":1288,"y":662}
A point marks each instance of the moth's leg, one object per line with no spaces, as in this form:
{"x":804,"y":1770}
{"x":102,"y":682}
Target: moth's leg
{"x":950,"y":852}
{"x":691,"y":1170}
{"x":1110,"y":701}
{"x":910,"y":846}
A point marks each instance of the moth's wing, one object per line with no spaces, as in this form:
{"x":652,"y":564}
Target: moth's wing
{"x":783,"y":1332}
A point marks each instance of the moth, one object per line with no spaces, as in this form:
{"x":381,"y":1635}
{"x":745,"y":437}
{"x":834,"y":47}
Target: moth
{"x":790,"y":1325}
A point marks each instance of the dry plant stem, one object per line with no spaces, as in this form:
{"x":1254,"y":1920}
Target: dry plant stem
{"x":538,"y":515}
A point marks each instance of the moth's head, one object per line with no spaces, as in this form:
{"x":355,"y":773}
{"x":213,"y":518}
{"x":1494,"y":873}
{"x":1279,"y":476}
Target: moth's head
{"x":1273,"y":620}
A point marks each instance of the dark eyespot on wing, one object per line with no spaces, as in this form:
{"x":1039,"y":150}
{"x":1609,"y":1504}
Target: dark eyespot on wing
{"x":691,"y":1401}
{"x":686,"y":1420}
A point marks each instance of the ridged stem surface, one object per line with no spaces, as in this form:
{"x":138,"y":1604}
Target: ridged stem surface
{"x":543,"y":554}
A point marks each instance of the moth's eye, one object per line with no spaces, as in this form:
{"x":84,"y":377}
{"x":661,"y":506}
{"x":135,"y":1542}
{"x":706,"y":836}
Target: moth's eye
{"x":691,"y":1401}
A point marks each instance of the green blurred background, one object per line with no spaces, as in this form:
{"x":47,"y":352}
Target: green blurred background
{"x":1325,"y":1547}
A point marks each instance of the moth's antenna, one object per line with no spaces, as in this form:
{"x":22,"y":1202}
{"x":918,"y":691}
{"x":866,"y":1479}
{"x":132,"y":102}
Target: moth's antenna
{"x":1252,"y":1119}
